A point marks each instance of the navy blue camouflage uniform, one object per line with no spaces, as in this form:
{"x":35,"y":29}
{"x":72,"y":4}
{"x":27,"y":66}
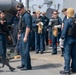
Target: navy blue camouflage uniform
{"x":3,"y":33}
{"x":14,"y":23}
{"x":46,"y":23}
{"x":64,"y":19}
{"x":69,"y":46}
{"x":55,"y":21}
{"x":33,"y":33}
{"x":39,"y":37}
{"x":25,"y":46}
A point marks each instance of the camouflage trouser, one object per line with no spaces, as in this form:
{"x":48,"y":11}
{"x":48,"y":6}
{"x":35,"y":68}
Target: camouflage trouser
{"x":6,"y":62}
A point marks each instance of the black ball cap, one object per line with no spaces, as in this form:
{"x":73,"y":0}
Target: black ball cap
{"x":20,"y":5}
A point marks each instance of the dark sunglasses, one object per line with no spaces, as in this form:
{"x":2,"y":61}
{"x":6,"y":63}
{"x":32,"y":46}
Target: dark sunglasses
{"x":19,"y":10}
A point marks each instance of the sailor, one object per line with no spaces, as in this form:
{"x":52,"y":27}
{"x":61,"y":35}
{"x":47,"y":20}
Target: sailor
{"x":24,"y":30}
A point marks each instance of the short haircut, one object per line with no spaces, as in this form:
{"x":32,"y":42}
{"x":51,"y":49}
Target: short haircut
{"x":3,"y":12}
{"x":65,"y":9}
{"x":29,"y":11}
{"x":55,"y":11}
{"x":20,"y":5}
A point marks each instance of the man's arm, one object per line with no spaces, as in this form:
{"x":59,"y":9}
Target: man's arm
{"x":28,"y":21}
{"x":27,"y":32}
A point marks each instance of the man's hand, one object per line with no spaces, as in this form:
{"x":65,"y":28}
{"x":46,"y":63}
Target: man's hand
{"x":25,"y":39}
{"x":9,"y":37}
{"x":2,"y":22}
{"x":19,"y":36}
{"x":38,"y":24}
{"x":61,"y":43}
{"x":55,"y":27}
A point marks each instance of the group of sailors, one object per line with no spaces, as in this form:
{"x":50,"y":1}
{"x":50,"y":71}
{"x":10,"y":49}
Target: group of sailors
{"x":32,"y":31}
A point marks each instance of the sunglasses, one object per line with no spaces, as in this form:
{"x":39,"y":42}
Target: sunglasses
{"x":19,"y":10}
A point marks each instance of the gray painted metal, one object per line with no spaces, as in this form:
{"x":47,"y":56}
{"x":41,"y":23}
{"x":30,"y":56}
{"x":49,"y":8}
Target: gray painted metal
{"x":69,"y":3}
{"x":8,"y":5}
{"x":49,"y":12}
{"x":27,"y":4}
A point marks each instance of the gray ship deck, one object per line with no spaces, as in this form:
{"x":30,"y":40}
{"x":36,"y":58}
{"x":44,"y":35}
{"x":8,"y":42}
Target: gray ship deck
{"x":42,"y":64}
